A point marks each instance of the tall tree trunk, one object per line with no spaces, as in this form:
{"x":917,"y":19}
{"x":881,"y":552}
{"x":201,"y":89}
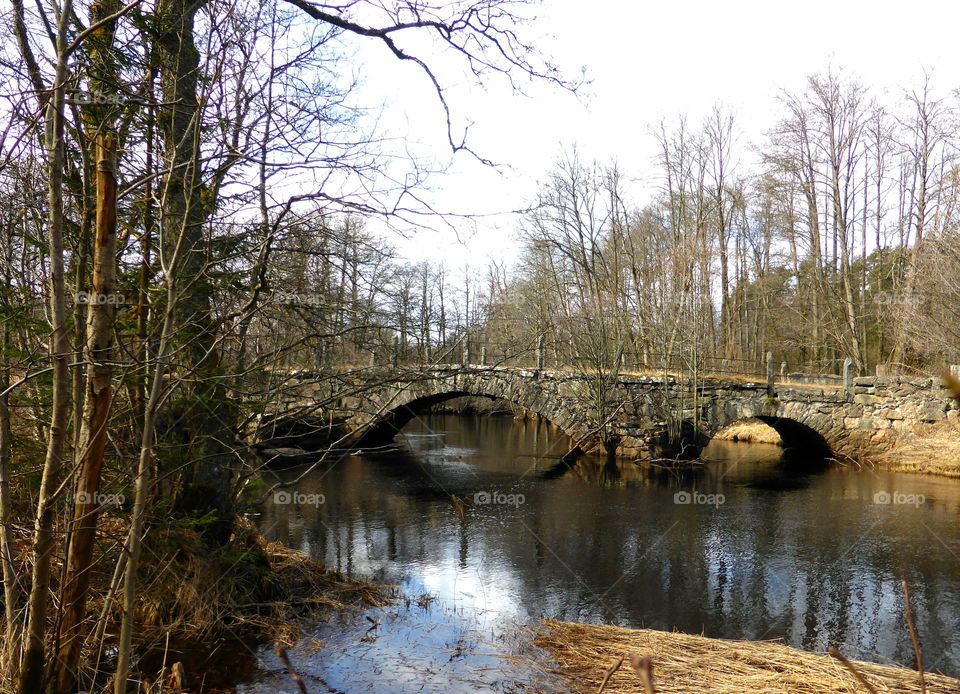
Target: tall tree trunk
{"x":141,"y":483}
{"x":207,"y":486}
{"x":93,"y":435}
{"x":842,"y":238}
{"x":11,"y":593}
{"x":913,"y":254}
{"x":817,"y":284}
{"x":31,"y":676}
{"x":143,"y":299}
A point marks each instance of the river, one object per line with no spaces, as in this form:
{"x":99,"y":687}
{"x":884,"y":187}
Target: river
{"x":747,"y":545}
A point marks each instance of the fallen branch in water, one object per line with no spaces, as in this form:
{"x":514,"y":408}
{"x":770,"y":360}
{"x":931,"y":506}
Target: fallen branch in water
{"x":457,"y":505}
{"x":908,"y":616}
{"x":285,"y":659}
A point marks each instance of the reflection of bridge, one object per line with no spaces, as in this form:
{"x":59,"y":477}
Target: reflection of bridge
{"x":631,"y":415}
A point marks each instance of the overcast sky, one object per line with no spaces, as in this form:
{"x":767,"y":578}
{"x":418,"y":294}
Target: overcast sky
{"x":646,"y":61}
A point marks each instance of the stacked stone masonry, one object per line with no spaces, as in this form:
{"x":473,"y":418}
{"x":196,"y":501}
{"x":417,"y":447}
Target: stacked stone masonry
{"x":855,"y":423}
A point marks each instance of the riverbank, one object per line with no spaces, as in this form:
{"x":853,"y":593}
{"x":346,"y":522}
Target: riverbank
{"x":931,"y":449}
{"x":202,"y":611}
{"x":199,"y":609}
{"x":683,"y":663}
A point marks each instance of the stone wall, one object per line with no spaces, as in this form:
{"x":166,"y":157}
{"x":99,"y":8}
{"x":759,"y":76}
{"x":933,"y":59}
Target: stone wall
{"x":882,"y":407}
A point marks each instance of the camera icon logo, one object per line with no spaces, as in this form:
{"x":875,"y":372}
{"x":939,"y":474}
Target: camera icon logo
{"x":282,"y":497}
{"x":481,"y":498}
{"x":682,"y":498}
{"x":883,"y":498}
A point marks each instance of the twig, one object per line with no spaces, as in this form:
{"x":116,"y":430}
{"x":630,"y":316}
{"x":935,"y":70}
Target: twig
{"x":163,"y":666}
{"x":908,"y":616}
{"x":644,"y":668}
{"x":282,"y":654}
{"x":457,"y":505}
{"x":575,"y":446}
{"x":853,"y":670}
{"x":610,"y":670}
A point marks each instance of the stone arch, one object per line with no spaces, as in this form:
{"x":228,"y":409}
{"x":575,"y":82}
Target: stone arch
{"x":798,"y":436}
{"x":388,"y":410}
{"x":384,"y":427}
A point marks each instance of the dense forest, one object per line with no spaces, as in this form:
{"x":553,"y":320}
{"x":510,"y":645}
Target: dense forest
{"x":194,"y":206}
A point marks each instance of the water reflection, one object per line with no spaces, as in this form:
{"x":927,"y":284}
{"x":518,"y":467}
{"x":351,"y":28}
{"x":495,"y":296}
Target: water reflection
{"x":741,"y":546}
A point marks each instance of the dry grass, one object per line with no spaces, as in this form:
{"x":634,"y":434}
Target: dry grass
{"x":683,"y":664}
{"x":931,"y":449}
{"x":749,"y":431}
{"x":305,"y":586}
{"x":204,"y":602}
{"x":257,"y":587}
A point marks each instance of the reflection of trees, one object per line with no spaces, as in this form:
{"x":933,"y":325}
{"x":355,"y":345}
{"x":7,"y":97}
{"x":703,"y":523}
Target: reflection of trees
{"x":817,"y":564}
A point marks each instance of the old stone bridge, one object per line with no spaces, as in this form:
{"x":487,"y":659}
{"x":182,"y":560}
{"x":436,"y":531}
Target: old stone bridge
{"x":634,"y":415}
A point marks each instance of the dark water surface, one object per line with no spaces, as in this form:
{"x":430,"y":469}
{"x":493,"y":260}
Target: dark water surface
{"x":763,"y":549}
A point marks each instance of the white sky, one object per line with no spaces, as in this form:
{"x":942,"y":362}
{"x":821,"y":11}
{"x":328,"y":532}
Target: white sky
{"x":647,"y":61}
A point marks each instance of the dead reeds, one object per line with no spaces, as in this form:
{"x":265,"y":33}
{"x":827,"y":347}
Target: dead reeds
{"x":253,"y":590}
{"x":931,"y":449}
{"x":589,"y":657}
